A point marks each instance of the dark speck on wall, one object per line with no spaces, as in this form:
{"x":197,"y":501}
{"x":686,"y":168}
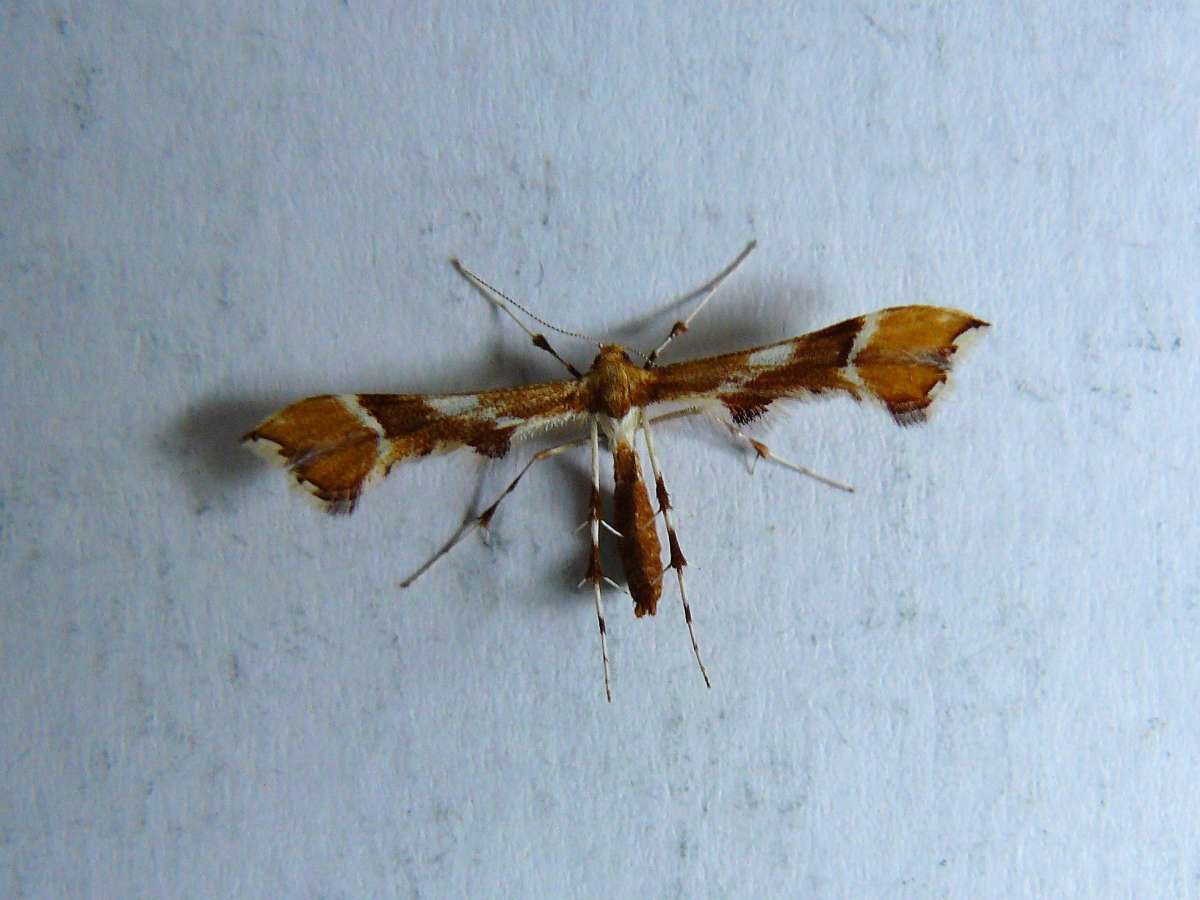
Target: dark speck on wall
{"x":80,"y":99}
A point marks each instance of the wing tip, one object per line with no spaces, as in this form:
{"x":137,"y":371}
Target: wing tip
{"x":265,"y":448}
{"x":916,"y":412}
{"x":330,"y":502}
{"x":342,"y":504}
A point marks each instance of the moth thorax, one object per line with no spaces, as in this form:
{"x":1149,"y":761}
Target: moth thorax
{"x":612,"y":378}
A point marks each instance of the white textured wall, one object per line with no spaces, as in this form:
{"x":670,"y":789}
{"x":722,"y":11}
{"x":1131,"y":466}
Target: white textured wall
{"x":976,"y":676}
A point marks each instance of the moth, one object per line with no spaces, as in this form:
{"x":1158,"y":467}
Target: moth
{"x":335,"y":445}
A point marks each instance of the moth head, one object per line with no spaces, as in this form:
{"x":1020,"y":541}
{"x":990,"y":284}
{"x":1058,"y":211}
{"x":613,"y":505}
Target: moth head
{"x":609,"y":354}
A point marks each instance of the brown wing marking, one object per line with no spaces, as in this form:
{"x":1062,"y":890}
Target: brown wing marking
{"x":746,"y":382}
{"x":337,"y":445}
{"x":905,"y":356}
{"x":332,"y":450}
{"x":900,"y":356}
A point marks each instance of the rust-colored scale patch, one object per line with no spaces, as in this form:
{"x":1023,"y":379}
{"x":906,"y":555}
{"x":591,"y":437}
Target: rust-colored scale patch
{"x":534,"y":400}
{"x":399,"y":414}
{"x":695,"y":378}
{"x":744,"y":408}
{"x":816,"y":366}
{"x":309,"y":426}
{"x":333,"y":450}
{"x":491,"y":441}
{"x":327,"y":447}
{"x":909,"y":356}
{"x":594,"y":573}
{"x":830,"y":346}
{"x":416,"y":428}
{"x":412,"y":426}
{"x":678,"y":560}
{"x":338,"y":477}
{"x":660,"y":491}
{"x":641,"y":553}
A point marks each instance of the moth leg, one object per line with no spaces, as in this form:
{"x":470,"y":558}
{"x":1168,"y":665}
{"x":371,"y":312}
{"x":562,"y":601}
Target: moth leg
{"x":678,"y":561}
{"x":501,"y":302}
{"x":707,"y":289}
{"x":484,"y":519}
{"x":762,"y":451}
{"x":594,"y":573}
{"x":586,"y":522}
{"x":678,"y":414}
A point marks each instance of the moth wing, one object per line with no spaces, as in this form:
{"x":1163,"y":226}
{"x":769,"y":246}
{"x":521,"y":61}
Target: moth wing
{"x":337,"y":444}
{"x":900,"y":357}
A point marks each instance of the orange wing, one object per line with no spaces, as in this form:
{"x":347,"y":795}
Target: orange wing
{"x":336,"y":445}
{"x":899,"y":356}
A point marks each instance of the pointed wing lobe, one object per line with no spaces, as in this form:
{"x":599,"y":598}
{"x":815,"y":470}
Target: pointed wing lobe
{"x":899,"y":356}
{"x":336,"y":445}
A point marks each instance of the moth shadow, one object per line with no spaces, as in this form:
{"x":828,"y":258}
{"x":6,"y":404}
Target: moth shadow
{"x":204,"y":444}
{"x":571,"y":479}
{"x":505,"y":362}
{"x":745,"y":315}
{"x":574,"y":479}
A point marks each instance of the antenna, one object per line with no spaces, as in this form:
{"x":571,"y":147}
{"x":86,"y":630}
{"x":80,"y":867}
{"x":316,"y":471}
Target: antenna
{"x":495,"y":293}
{"x":711,"y":287}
